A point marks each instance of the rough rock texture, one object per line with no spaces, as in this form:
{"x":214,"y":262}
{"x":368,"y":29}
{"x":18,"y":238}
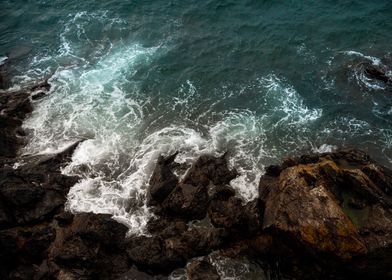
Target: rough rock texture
{"x":38,"y":239}
{"x":162,"y":181}
{"x":90,"y":247}
{"x":325,"y":216}
{"x":336,"y":207}
{"x":3,"y":72}
{"x":30,"y":198}
{"x":14,"y":107}
{"x":376,"y":72}
{"x":202,"y":269}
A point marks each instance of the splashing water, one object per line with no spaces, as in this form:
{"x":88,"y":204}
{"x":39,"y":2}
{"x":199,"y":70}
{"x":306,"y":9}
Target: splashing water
{"x":136,"y":81}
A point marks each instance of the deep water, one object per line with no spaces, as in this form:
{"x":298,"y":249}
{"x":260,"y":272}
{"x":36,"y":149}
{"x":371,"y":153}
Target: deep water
{"x":259,"y":79}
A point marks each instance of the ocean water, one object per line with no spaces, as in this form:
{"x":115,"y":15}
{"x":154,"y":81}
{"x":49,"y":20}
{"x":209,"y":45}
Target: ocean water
{"x":260,"y":80}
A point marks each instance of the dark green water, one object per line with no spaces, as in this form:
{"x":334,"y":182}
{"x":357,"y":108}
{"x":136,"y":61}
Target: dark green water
{"x":259,"y":79}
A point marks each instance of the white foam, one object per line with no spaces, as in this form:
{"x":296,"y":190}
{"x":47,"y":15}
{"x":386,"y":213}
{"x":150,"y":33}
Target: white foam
{"x":374,"y":60}
{"x":362,"y":78}
{"x":93,"y":97}
{"x":324,"y":148}
{"x":286,"y":102}
{"x":3,"y":59}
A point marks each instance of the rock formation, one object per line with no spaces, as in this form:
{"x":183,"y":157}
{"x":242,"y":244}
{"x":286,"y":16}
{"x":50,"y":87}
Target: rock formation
{"x":323,"y":216}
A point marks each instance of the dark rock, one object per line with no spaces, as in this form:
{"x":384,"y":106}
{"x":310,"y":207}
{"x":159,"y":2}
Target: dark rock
{"x":15,"y":106}
{"x":202,"y":269}
{"x":330,"y":215}
{"x":19,"y":195}
{"x":134,"y":274}
{"x":167,"y":226}
{"x":4,"y":83}
{"x":92,"y":243}
{"x":42,"y":86}
{"x":376,"y":72}
{"x":235,"y":217}
{"x":209,"y":169}
{"x":64,"y":218}
{"x":162,"y":181}
{"x":157,"y":254}
{"x":187,"y":201}
{"x":38,"y":95}
{"x":24,"y":245}
{"x":149,"y":254}
{"x":35,"y":191}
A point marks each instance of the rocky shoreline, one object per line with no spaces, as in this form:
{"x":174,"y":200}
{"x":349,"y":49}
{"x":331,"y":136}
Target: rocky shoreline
{"x":321,"y":216}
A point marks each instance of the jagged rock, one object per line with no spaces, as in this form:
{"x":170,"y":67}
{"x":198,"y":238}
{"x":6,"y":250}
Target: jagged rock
{"x":227,"y":211}
{"x":167,"y":226}
{"x":189,"y":198}
{"x":14,"y":107}
{"x":187,"y":201}
{"x":376,"y":72}
{"x":3,"y":72}
{"x":162,"y":181}
{"x":209,"y":169}
{"x":93,"y":243}
{"x":26,"y":246}
{"x":202,"y":269}
{"x":329,"y":215}
{"x":335,"y":204}
{"x":164,"y":254}
{"x":35,"y":191}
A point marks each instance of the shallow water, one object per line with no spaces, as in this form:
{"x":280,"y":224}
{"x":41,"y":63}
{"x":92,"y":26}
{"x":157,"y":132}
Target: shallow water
{"x":259,"y":79}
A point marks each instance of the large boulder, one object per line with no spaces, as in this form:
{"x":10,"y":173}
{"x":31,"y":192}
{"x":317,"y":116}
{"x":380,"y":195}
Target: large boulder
{"x":335,"y":206}
{"x":36,"y":190}
{"x":92,"y":243}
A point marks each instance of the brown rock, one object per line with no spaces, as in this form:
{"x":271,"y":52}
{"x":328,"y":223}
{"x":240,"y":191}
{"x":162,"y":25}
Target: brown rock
{"x":92,"y":243}
{"x":209,"y":169}
{"x":202,"y":269}
{"x":187,"y":201}
{"x":336,"y":204}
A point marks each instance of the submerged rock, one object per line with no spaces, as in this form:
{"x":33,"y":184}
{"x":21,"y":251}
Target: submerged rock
{"x":377,"y":72}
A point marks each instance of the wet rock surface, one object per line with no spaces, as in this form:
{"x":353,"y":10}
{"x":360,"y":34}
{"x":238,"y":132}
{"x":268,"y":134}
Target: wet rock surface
{"x":336,"y":207}
{"x":202,"y":269}
{"x":324,"y":216}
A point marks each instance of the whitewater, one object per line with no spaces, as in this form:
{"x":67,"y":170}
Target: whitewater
{"x":110,"y":90}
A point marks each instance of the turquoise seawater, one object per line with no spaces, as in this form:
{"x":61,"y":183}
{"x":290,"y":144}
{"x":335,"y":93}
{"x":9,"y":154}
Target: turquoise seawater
{"x":259,"y":79}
